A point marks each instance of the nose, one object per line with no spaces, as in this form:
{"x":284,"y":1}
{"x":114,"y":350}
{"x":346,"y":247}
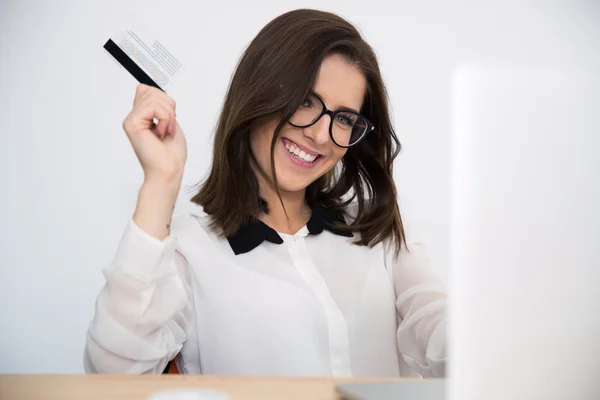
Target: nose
{"x":319,"y":132}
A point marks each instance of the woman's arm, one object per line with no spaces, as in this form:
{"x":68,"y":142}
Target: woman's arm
{"x":143,"y":310}
{"x":421,"y":302}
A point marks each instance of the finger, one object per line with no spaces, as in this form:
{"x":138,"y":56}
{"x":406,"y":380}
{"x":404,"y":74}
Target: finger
{"x":173,"y":122}
{"x":168,"y":99}
{"x":153,"y":95}
{"x":140,"y":92}
{"x":164,"y":116}
{"x":168,"y":104}
{"x":141,"y":88}
{"x":145,"y":92}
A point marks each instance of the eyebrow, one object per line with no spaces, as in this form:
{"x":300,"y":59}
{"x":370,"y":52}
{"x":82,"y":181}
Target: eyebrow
{"x":342,"y":108}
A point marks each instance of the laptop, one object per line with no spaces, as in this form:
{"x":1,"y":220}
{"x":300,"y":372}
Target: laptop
{"x":524,"y":240}
{"x":434,"y":389}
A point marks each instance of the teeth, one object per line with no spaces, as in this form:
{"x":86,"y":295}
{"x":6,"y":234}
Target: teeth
{"x":300,"y":153}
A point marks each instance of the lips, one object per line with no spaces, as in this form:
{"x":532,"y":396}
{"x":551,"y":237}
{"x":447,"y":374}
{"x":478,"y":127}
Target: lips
{"x":300,"y":155}
{"x":300,"y":152}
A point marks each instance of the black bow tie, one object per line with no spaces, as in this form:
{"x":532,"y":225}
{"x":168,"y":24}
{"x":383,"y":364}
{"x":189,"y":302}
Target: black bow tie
{"x":255,"y":232}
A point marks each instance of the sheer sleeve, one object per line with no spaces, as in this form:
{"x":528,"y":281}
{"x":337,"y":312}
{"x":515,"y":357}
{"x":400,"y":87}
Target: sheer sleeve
{"x":421,"y":303}
{"x":142,"y":312}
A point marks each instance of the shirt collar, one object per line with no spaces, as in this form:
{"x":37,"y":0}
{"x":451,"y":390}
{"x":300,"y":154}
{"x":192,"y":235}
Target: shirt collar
{"x":255,"y":232}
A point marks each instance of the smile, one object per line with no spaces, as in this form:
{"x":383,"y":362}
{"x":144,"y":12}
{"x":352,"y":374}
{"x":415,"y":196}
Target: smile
{"x":300,"y":155}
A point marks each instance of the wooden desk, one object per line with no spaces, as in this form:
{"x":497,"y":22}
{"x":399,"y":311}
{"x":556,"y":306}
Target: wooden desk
{"x":121,"y":387}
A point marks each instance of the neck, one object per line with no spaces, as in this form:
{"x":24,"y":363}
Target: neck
{"x":298,"y":211}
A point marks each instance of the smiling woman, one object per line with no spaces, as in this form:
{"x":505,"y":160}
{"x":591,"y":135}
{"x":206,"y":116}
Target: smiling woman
{"x":301,"y":265}
{"x":296,"y":68}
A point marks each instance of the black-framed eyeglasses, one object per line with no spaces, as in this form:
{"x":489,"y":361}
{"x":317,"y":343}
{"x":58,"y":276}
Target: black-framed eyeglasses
{"x":346,"y":128}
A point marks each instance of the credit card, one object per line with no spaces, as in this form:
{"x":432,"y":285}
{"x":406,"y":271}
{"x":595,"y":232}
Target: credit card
{"x":146,"y":59}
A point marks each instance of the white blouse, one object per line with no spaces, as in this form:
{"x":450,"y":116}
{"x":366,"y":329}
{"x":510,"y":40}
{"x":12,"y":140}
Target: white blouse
{"x":309,"y":304}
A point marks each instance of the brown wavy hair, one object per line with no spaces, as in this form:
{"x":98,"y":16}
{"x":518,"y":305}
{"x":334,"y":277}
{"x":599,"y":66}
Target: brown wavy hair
{"x":272,"y":78}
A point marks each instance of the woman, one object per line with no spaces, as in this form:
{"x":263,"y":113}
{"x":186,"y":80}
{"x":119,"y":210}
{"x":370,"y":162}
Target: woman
{"x":301,"y":265}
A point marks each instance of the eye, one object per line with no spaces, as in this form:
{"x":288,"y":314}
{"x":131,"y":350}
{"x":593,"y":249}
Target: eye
{"x":308,"y":103}
{"x":348,"y":120}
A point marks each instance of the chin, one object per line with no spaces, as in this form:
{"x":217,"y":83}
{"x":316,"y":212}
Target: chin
{"x":292,"y":186}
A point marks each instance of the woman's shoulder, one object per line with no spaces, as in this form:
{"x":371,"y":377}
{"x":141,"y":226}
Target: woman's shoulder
{"x":192,"y":226}
{"x":411,"y":234}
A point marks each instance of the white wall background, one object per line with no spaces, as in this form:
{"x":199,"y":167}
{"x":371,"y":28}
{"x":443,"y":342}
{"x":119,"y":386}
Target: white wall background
{"x":70,"y":179}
